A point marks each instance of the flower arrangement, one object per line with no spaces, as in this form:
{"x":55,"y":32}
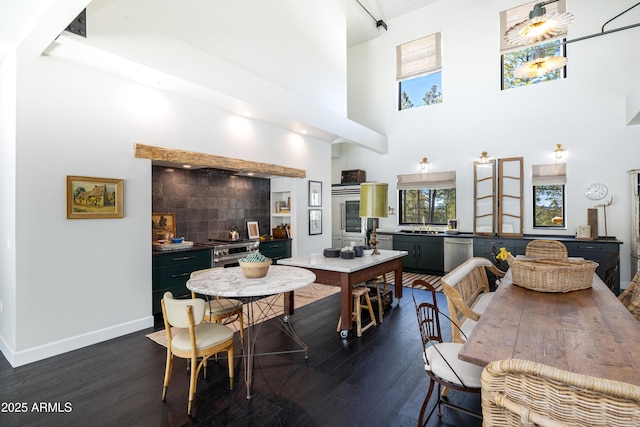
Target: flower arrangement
{"x":503,"y":255}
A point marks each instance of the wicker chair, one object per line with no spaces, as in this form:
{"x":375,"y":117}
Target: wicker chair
{"x":441,"y":361}
{"x":549,"y":249}
{"x":630,"y":298}
{"x":524,"y":393}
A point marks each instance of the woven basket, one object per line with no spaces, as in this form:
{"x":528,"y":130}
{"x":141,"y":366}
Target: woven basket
{"x":547,"y":275}
{"x":254,"y":270}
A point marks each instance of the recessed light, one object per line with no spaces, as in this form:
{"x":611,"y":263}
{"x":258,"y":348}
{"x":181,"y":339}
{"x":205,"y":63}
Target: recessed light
{"x":186,"y":166}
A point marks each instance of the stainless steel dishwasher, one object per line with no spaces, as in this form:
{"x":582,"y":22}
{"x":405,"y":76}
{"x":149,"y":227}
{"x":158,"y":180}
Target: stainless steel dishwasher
{"x":385,"y":241}
{"x":456,"y":251}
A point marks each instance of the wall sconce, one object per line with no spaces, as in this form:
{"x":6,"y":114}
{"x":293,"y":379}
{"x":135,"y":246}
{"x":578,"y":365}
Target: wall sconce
{"x":560,"y":152}
{"x":424,"y":164}
{"x":484,"y":157}
{"x":539,"y":27}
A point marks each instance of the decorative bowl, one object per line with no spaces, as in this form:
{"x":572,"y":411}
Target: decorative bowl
{"x":177,"y":239}
{"x":254,"y":270}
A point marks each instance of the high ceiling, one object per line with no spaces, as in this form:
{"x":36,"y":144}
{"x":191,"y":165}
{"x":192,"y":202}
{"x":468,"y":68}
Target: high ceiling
{"x":361,"y":27}
{"x":33,"y":24}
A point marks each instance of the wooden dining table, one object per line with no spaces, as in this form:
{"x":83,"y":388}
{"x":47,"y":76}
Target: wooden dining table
{"x":586,"y":331}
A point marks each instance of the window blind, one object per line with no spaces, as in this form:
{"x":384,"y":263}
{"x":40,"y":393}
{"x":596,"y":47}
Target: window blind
{"x":515,"y":15}
{"x":419,"y":181}
{"x":418,"y":57}
{"x":549,"y":174}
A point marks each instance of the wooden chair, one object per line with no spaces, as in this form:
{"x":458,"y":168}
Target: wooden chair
{"x":194,"y":339}
{"x":524,"y":393}
{"x":468,"y":295}
{"x":630,"y":298}
{"x":549,"y":249}
{"x":358,"y":293}
{"x":222,"y":310}
{"x":440,"y":358}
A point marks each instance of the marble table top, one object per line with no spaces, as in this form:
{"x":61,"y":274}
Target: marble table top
{"x":320,"y":262}
{"x":230,"y":282}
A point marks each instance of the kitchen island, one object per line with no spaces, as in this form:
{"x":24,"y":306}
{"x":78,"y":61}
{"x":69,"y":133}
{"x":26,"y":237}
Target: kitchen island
{"x":345,"y":273}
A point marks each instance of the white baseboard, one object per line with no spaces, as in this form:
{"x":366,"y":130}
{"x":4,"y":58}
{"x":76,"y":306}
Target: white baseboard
{"x":35,"y":354}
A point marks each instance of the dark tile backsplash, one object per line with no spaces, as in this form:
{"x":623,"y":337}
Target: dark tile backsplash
{"x":207,"y":203}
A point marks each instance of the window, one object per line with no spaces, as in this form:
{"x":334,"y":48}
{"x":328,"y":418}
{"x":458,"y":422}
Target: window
{"x":549,"y":195}
{"x":513,"y":56}
{"x":419,"y":73}
{"x":428,"y":198}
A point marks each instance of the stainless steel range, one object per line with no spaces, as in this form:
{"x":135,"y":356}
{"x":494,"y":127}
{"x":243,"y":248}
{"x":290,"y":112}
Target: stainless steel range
{"x":226,"y":253}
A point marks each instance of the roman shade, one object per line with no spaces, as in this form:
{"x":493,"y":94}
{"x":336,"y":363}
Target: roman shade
{"x":515,"y":15}
{"x":435,"y":180}
{"x":549,"y":174}
{"x":418,"y":57}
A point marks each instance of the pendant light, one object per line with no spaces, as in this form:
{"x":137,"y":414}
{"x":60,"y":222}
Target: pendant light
{"x":539,"y":27}
{"x":540,"y":65}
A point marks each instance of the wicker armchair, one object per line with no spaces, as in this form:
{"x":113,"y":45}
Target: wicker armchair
{"x":441,"y":361}
{"x":630,"y":298}
{"x":549,"y":249}
{"x":524,"y":393}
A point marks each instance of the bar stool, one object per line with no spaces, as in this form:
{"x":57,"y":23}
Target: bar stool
{"x":377,"y":282}
{"x":356,"y":314}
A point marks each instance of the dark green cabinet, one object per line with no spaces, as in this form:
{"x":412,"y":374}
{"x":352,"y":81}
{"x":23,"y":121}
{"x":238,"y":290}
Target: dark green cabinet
{"x":425,"y":253}
{"x":276,"y":249}
{"x":599,"y":251}
{"x":171,"y":271}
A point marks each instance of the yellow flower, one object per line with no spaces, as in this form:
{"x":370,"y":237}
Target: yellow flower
{"x":503,"y":255}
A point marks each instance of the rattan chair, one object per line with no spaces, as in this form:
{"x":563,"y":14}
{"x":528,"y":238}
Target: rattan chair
{"x":193,"y":340}
{"x":222,"y":310}
{"x":524,"y":393}
{"x":549,"y":249}
{"x":630,"y":298}
{"x":441,"y":361}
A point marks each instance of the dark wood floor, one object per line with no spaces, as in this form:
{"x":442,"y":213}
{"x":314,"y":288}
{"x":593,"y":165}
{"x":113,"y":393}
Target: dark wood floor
{"x":375,"y":380}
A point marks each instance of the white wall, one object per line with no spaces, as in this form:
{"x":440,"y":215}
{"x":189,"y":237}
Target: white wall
{"x":8,"y":197}
{"x":585,"y":112}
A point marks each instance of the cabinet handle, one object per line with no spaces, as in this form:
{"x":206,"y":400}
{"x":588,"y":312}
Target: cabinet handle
{"x":418,"y":251}
{"x":182,"y":258}
{"x":173,"y":276}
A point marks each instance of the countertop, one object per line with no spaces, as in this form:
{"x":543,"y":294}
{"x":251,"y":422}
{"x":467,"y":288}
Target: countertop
{"x":601,"y":239}
{"x":319,"y":261}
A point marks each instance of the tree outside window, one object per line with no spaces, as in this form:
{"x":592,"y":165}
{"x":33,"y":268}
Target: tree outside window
{"x":548,"y":206}
{"x":427,"y":206}
{"x":421,"y":91}
{"x":512,"y":60}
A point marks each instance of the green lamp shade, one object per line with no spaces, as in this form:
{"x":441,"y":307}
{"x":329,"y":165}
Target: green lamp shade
{"x":374,"y":199}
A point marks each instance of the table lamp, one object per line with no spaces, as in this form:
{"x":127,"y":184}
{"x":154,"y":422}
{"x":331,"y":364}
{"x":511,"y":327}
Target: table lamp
{"x":374,"y":200}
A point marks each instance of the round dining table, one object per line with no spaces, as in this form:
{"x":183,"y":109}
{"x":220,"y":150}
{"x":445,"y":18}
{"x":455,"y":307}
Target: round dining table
{"x":231,"y":282}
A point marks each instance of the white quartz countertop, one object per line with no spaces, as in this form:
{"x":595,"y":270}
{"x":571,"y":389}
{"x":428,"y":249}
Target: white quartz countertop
{"x":319,"y":261}
{"x":230,"y":282}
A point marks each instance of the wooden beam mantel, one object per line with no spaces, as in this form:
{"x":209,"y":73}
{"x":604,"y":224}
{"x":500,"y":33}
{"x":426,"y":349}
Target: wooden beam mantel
{"x":180,"y":157}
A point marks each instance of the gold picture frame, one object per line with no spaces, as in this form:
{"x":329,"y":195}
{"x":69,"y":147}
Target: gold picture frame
{"x":163,"y":226}
{"x":93,"y":198}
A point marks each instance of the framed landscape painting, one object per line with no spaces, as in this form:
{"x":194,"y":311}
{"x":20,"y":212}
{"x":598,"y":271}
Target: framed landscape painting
{"x":90,"y":198}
